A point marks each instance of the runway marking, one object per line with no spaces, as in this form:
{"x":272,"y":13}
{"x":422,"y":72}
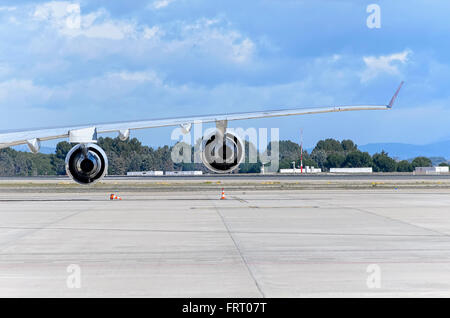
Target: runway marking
{"x":240,"y":252}
{"x":36,"y":229}
{"x":239,"y":199}
{"x":46,"y":200}
{"x":398,"y":221}
{"x":221,"y":232}
{"x":101,"y":200}
{"x":283,"y":253}
{"x":92,"y":262}
{"x":254,"y":207}
{"x":328,"y":207}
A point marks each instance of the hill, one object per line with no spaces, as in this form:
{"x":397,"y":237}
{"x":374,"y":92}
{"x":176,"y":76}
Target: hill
{"x":407,"y":151}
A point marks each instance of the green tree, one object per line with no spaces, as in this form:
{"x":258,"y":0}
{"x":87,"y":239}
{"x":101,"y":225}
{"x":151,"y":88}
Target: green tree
{"x":348,"y":145}
{"x":58,"y":158}
{"x":358,"y":159}
{"x":62,"y":148}
{"x":329,"y":145}
{"x":289,"y":150}
{"x":307,"y":162}
{"x":319,"y":156}
{"x":131,"y":155}
{"x":7,"y":166}
{"x":405,"y":166}
{"x":335,"y":160}
{"x":383,"y":163}
{"x":421,"y":162}
{"x":251,"y":154}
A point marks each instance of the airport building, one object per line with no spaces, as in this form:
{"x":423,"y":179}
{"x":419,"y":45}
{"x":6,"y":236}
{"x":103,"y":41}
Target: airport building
{"x":307,"y":169}
{"x":144,"y":173}
{"x":431,"y":170}
{"x":351,"y":170}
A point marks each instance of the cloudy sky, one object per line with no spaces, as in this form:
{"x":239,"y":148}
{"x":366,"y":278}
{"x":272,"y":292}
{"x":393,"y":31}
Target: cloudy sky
{"x":96,"y":61}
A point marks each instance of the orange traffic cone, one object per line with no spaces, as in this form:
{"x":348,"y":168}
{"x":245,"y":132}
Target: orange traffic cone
{"x":114,"y":197}
{"x":223,"y":195}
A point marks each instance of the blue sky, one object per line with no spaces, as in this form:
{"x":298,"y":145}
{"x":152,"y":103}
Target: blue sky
{"x":125,"y":60}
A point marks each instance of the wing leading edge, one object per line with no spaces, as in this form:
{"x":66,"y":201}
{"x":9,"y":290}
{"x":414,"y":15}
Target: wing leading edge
{"x":33,"y":137}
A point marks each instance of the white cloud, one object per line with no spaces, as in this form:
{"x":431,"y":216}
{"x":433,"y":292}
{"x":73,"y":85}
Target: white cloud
{"x":58,"y":13}
{"x":139,"y":77}
{"x":19,"y":92}
{"x":335,"y":57}
{"x":67,"y":18}
{"x":204,"y":38}
{"x":159,"y":4}
{"x":215,"y":38}
{"x":5,"y":70}
{"x":106,"y":30}
{"x":384,"y":64}
{"x":7,"y":8}
{"x":153,"y":32}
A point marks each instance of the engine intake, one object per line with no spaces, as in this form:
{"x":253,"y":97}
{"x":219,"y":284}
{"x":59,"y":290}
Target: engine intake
{"x":86,"y":163}
{"x":222,"y":155}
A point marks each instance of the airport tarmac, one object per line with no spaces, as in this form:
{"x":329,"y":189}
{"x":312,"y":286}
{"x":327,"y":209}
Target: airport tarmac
{"x":253,"y":176}
{"x":233,"y":182}
{"x":260,"y":243}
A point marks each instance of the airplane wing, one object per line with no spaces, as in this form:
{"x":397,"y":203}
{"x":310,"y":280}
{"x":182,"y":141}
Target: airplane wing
{"x":33,"y":137}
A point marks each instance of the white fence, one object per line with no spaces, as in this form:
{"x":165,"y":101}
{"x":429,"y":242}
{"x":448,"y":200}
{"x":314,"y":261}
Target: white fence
{"x":144,"y":173}
{"x":351,"y":170}
{"x":161,"y":173}
{"x":184,"y":173}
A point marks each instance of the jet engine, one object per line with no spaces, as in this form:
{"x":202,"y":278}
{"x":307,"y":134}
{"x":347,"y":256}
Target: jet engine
{"x":222,"y":153}
{"x":86,"y":163}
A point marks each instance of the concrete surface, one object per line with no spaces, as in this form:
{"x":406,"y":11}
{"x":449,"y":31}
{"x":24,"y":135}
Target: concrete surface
{"x":268,"y":243}
{"x":214,"y":183}
{"x":255,"y":176}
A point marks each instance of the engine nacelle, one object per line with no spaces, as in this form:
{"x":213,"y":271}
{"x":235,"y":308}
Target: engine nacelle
{"x":86,"y":163}
{"x":222,"y":155}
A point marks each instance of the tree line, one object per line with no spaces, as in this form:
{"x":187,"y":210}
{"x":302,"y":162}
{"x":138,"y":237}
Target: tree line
{"x":331,"y":153}
{"x":131,"y":155}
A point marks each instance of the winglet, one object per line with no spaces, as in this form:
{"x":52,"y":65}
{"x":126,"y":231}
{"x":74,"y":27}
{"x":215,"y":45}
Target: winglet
{"x":391,"y":103}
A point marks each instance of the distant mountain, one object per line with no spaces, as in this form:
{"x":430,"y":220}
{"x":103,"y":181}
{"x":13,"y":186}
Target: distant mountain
{"x":46,"y":150}
{"x":408,"y":151}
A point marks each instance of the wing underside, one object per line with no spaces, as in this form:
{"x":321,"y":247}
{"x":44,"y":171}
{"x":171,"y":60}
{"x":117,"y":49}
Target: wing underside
{"x":35,"y":136}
